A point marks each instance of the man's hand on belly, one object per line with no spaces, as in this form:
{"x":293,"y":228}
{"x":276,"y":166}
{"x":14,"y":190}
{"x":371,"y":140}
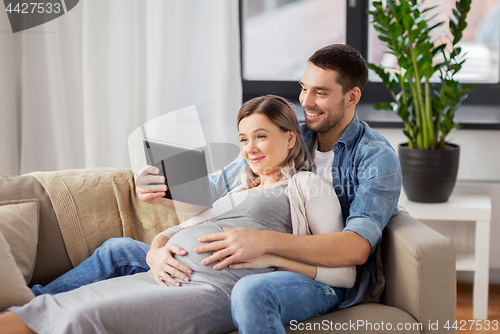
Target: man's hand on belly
{"x":260,"y":262}
{"x":234,"y":245}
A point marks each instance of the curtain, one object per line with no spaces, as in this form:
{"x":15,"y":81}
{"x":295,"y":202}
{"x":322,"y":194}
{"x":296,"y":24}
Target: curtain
{"x":74,"y":89}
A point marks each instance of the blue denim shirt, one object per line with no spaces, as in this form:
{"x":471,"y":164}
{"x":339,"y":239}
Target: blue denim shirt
{"x":367,"y":179}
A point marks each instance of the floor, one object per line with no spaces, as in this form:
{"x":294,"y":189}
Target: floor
{"x":465,"y":321}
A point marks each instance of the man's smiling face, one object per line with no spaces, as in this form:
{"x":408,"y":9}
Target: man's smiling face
{"x":322,"y":99}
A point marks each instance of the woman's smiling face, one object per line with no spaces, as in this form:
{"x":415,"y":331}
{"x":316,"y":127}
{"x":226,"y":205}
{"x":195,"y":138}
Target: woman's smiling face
{"x":264,"y":145}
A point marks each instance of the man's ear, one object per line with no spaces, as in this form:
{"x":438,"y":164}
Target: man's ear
{"x":354,"y":96}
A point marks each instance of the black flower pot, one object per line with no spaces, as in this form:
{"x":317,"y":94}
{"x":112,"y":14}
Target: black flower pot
{"x":429,"y":175}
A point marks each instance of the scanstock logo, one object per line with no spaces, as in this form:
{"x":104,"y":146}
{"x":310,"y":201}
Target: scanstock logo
{"x":28,"y":13}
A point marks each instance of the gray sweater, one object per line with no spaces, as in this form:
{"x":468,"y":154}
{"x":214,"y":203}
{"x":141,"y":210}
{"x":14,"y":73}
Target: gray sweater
{"x":314,"y":209}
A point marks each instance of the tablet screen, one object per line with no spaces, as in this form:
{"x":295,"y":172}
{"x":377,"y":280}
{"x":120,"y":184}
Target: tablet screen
{"x":185,"y":171}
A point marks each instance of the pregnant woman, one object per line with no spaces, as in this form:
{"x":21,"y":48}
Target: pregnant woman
{"x":279,"y":193}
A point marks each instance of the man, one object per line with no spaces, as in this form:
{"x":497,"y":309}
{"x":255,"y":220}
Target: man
{"x":364,"y":170}
{"x":362,"y":167}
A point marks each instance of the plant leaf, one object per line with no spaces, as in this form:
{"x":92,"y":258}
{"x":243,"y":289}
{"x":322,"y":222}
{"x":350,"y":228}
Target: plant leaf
{"x":430,"y":8}
{"x":383,"y":106}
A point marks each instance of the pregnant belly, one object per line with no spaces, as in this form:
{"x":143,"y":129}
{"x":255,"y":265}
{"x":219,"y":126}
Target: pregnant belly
{"x":188,"y":239}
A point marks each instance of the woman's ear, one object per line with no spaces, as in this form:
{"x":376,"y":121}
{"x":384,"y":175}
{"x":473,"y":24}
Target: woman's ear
{"x":292,"y":137}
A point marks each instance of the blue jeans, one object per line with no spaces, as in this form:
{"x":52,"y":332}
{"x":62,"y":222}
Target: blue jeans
{"x":116,"y":257}
{"x":264,"y":303}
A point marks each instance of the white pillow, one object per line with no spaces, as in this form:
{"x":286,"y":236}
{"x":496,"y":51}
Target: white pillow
{"x":18,"y":246}
{"x":14,"y":291}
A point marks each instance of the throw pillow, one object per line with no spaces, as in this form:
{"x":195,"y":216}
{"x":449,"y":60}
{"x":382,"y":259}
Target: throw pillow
{"x":18,"y":246}
{"x":14,"y":291}
{"x":19,"y":225}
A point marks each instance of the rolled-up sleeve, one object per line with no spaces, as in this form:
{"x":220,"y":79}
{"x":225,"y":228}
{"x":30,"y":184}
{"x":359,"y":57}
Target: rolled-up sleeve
{"x":366,"y":228}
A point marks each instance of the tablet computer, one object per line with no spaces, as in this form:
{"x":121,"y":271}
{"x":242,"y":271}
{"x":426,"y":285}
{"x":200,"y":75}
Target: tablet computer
{"x":184,"y":169}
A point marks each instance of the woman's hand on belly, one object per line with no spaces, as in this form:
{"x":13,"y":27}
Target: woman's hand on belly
{"x":164,"y":266}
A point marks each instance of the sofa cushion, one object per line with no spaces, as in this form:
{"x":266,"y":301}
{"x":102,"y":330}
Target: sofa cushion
{"x":14,"y":291}
{"x":19,"y":226}
{"x":18,"y":246}
{"x":363,"y":318}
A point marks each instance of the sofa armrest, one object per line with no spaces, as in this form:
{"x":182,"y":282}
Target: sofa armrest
{"x":419,"y":267}
{"x":95,"y":204}
{"x":51,"y":258}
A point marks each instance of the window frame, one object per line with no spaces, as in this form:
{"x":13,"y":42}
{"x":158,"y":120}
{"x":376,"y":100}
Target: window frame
{"x":485,"y":94}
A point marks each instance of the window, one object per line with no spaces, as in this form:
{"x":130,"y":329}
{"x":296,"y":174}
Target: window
{"x":278,"y":36}
{"x":479,"y":41}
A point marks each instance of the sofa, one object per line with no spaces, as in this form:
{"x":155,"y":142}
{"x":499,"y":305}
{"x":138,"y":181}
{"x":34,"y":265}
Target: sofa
{"x":72,"y":212}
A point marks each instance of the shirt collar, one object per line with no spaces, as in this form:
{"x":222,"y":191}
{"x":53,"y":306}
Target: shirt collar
{"x":348,"y":136}
{"x":351,"y":132}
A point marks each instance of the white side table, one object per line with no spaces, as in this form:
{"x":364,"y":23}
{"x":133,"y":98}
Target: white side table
{"x":464,"y":208}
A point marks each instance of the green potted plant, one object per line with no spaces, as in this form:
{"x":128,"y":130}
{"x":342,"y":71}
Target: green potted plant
{"x":425,"y":91}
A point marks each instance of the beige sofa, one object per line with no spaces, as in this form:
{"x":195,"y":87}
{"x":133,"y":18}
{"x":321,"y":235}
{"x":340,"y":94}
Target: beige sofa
{"x":80,"y":209}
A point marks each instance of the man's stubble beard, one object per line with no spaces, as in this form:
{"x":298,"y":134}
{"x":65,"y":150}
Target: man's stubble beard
{"x":331,"y":122}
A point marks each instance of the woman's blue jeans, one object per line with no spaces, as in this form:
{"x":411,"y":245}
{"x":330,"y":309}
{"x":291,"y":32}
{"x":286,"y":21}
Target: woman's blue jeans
{"x":264,"y":303}
{"x":116,"y":257}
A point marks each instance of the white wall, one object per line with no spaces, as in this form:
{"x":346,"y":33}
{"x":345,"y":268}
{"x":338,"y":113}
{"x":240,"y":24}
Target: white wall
{"x":478,"y":173}
{"x":479,"y":151}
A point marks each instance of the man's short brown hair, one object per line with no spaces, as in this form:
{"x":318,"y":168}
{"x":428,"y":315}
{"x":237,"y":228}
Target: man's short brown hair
{"x":346,"y":61}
